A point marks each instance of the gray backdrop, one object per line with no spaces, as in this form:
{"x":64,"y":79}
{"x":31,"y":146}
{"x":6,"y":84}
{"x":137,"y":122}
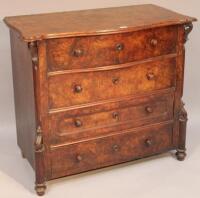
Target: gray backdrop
{"x":17,"y":178}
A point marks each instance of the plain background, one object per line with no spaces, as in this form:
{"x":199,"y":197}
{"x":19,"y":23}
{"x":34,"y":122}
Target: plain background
{"x":161,"y":176}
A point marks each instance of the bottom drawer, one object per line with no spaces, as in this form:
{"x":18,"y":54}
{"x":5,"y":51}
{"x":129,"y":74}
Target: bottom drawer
{"x":110,"y":150}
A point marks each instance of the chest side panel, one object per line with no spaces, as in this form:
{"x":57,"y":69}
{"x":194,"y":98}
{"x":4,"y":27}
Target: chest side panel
{"x":24,"y":96}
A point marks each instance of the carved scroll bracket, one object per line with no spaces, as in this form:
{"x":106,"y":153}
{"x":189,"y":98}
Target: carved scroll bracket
{"x":39,"y":146}
{"x":188,"y":28}
{"x":34,"y":54}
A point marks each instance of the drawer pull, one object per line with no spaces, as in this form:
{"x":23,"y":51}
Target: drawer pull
{"x":79,"y":158}
{"x":149,"y":109}
{"x":154,"y":42}
{"x":119,"y":46}
{"x":115,"y":148}
{"x":78,"y":89}
{"x":78,"y":52}
{"x":148,"y":142}
{"x":151,"y":76}
{"x":78,"y":123}
{"x":115,"y":115}
{"x":115,"y":80}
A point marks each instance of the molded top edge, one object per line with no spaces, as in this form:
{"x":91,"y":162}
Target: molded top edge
{"x":94,"y":21}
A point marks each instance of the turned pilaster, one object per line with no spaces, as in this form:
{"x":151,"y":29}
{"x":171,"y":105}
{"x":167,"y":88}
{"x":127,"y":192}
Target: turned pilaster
{"x":181,"y":150}
{"x":40,"y":185}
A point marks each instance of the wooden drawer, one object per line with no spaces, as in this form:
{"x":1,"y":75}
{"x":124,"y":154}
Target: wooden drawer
{"x":79,"y":88}
{"x":76,"y":158}
{"x":96,"y":51}
{"x":92,"y":122}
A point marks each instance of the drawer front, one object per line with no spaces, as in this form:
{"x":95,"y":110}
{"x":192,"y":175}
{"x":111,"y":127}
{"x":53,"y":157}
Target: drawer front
{"x":79,"y":88}
{"x":92,"y":122}
{"x":80,"y":157}
{"x":95,"y":51}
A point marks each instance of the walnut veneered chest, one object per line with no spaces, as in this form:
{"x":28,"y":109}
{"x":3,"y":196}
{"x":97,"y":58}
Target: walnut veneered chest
{"x":98,"y":87}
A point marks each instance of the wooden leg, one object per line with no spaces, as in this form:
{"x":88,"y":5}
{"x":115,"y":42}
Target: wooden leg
{"x":40,"y":189}
{"x":181,"y":150}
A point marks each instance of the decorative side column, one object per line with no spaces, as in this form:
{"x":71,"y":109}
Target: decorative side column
{"x":40,"y":185}
{"x":181,"y":151}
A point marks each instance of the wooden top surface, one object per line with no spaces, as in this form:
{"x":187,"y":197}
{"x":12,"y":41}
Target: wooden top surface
{"x":93,"y":22}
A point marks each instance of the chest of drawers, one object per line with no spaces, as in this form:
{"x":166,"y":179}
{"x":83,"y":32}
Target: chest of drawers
{"x":98,"y":87}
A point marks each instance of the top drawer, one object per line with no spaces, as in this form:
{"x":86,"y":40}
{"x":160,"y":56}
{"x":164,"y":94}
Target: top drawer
{"x":94,"y":51}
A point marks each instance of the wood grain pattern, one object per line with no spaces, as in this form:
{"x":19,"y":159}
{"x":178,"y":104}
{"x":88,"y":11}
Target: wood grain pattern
{"x":104,"y":50}
{"x":110,"y":118}
{"x":94,"y":22}
{"x":111,"y":150}
{"x":98,"y":86}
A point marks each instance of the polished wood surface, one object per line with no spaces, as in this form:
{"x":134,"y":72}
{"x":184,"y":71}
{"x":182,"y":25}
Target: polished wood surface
{"x":96,"y":51}
{"x":110,"y":118}
{"x":149,"y":76}
{"x":98,"y":87}
{"x":111,"y":150}
{"x":93,"y":22}
{"x":24,"y":97}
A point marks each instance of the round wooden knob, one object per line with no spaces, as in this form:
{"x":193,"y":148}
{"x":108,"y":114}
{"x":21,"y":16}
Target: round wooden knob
{"x":78,"y":123}
{"x":77,"y":88}
{"x":148,"y":142}
{"x":78,"y":52}
{"x":79,"y":158}
{"x":119,"y":46}
{"x":115,"y":115}
{"x":115,"y":80}
{"x":151,"y":76}
{"x":149,"y":109}
{"x":115,"y":147}
{"x":154,"y":42}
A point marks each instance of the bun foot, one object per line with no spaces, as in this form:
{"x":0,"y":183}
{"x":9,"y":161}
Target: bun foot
{"x":40,"y":189}
{"x":180,"y":155}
